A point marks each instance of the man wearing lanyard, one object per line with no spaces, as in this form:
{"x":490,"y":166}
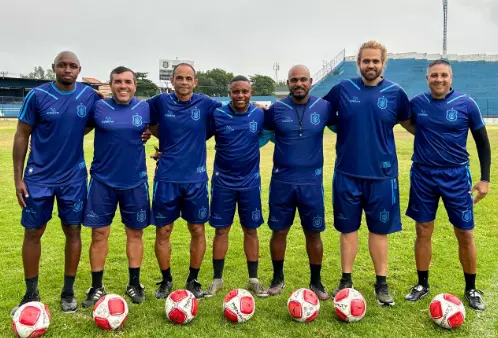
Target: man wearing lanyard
{"x":298,"y":122}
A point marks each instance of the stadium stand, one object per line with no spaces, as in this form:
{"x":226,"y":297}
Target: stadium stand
{"x":473,"y":74}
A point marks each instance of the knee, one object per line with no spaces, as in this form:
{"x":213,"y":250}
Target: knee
{"x":313,"y":237}
{"x":465,"y":237}
{"x":424,"y":230}
{"x":134,"y":235}
{"x":163,"y":235}
{"x":197,"y":231}
{"x":279,"y":235}
{"x":99,"y":236}
{"x":73,"y":233}
{"x":33,"y":236}
{"x":250,"y":233}
{"x":222,"y":232}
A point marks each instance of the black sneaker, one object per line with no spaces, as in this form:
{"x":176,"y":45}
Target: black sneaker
{"x":343,"y":284}
{"x":195,"y":287}
{"x":417,"y":292}
{"x":165,"y":287}
{"x":93,"y":295}
{"x":136,"y":293}
{"x":474,"y":297}
{"x":35,"y":297}
{"x":276,"y":287}
{"x":68,"y":303}
{"x":384,"y":298}
{"x":319,"y":290}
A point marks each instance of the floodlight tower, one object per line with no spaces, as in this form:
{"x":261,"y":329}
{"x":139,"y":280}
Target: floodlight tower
{"x":276,"y":68}
{"x":445,"y":28}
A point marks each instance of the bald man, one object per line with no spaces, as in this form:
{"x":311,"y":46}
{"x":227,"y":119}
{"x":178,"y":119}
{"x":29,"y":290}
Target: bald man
{"x":54,"y":115}
{"x":298,"y":122}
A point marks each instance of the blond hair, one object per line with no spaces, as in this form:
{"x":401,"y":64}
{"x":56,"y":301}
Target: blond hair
{"x":372,"y":44}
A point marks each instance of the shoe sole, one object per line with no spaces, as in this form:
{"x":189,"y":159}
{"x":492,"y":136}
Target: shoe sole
{"x":70,"y":311}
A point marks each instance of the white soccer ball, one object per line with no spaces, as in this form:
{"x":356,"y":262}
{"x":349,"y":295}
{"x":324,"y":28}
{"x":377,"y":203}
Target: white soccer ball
{"x":447,"y":311}
{"x":110,"y":312}
{"x":349,"y":305}
{"x":238,"y":306}
{"x":181,"y":306}
{"x":303,"y":305}
{"x":31,"y":320}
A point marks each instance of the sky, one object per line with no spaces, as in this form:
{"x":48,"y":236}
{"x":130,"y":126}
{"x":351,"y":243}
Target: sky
{"x":243,"y":37}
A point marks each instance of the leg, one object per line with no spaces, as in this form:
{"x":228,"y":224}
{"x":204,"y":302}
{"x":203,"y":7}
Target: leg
{"x":31,"y":251}
{"x":197,"y":244}
{"x":467,"y":250}
{"x":220,"y":245}
{"x":99,"y":248}
{"x":278,"y":244}
{"x":73,"y":248}
{"x":349,"y":250}
{"x":423,"y":245}
{"x":163,"y":246}
{"x":134,"y":247}
{"x":251,"y":244}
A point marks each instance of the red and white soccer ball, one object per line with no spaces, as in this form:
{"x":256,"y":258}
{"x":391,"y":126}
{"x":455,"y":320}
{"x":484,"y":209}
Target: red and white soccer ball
{"x":110,"y":312}
{"x":447,"y":311}
{"x":349,"y":305}
{"x":238,"y":306}
{"x":31,"y":320}
{"x":303,"y":305}
{"x":181,"y":306}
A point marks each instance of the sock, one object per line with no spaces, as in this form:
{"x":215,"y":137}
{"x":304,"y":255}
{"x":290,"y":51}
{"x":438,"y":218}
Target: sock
{"x":134,"y":276}
{"x":278,"y":270}
{"x":193,"y":274}
{"x":97,"y":278}
{"x":31,"y":285}
{"x":252,"y":268}
{"x":380,"y":280}
{"x":470,"y":281}
{"x":218,"y":265}
{"x":346,"y":276}
{"x":167,"y":275}
{"x":68,"y":284}
{"x":315,"y":273}
{"x":423,"y":278}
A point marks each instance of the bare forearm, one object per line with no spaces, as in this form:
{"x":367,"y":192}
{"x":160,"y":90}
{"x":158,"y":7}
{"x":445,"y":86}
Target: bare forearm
{"x":19,"y":155}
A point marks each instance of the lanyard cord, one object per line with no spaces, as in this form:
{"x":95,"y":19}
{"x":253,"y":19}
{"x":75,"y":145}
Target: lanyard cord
{"x":300,"y":118}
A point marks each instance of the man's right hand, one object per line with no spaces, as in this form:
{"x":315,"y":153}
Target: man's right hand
{"x":157,"y":154}
{"x":21,"y":192}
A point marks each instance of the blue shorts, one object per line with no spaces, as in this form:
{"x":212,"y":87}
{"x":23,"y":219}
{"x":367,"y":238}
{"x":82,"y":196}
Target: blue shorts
{"x":172,"y":199}
{"x":285,"y":198}
{"x":427,"y":185}
{"x":379,"y":199}
{"x":103,"y":200}
{"x":40,"y":203}
{"x":223,"y":201}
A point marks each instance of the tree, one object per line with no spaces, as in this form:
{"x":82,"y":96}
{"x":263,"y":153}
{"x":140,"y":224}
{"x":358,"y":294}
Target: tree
{"x":262,"y":85}
{"x":40,"y":74}
{"x":213,"y":82}
{"x":145,"y":87}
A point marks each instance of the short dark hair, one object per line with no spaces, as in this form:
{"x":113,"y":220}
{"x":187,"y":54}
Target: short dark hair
{"x":121,"y":70}
{"x":184,"y":64}
{"x":239,"y":78}
{"x":438,"y":62}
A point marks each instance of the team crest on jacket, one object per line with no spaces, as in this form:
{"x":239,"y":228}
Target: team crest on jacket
{"x":451,"y":115}
{"x":317,"y":221}
{"x":202,"y":213}
{"x":382,"y":102}
{"x":253,"y":126}
{"x":384,"y":216}
{"x":256,"y":215}
{"x":141,"y":216}
{"x":77,"y":206}
{"x":466,"y":215}
{"x":196,"y":114}
{"x":137,"y":120}
{"x":315,"y":118}
{"x":81,"y":110}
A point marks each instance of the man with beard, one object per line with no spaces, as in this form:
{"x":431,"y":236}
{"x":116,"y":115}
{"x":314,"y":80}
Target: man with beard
{"x":298,"y":122}
{"x":54,"y":115}
{"x":440,"y":168}
{"x":366,"y":167}
{"x":118,"y":175}
{"x":237,"y":128}
{"x":180,"y":183}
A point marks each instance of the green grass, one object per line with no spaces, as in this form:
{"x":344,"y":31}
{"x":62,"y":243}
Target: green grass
{"x":271,"y":318}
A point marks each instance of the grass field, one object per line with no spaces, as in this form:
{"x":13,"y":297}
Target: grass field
{"x":271,"y":318}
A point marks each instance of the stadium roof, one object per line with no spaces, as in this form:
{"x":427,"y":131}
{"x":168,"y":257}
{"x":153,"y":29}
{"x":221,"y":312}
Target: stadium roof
{"x":428,"y":56}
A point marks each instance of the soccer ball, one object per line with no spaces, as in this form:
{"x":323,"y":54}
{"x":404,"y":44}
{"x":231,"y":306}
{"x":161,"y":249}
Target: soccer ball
{"x":349,"y":305}
{"x":110,"y":312}
{"x":447,"y":311}
{"x":31,"y":320}
{"x":303,"y":305}
{"x":238,"y":306}
{"x":181,"y":307}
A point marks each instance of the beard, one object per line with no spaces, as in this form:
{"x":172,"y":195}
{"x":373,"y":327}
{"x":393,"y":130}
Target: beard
{"x":369,"y":75}
{"x":299,"y":96}
{"x":65,"y":82}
